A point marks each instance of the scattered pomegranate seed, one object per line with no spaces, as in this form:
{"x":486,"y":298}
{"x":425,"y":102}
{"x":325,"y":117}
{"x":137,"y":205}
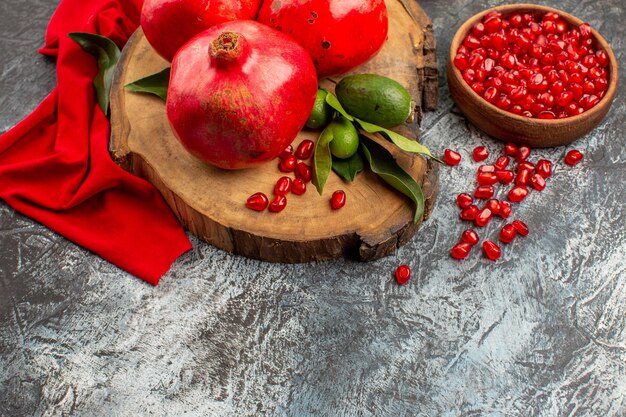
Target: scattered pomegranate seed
{"x":486,"y":168}
{"x":287,"y":152}
{"x":537,"y":182}
{"x":522,"y":177}
{"x":521,"y":227}
{"x":470,"y":237}
{"x":338,"y":200}
{"x":573,"y":157}
{"x":523,"y":153}
{"x":507,"y":233}
{"x":461,"y":250}
{"x":464,"y":200}
{"x":480,"y":153}
{"x":469,"y":213}
{"x":525,"y":165}
{"x":304,"y":172}
{"x":484,"y":192}
{"x":483,"y":217}
{"x":493,"y":205}
{"x":502,"y":162}
{"x":511,"y":150}
{"x":492,"y":251}
{"x":278,"y":204}
{"x":403,"y":274}
{"x":283,"y":186}
{"x":486,"y":178}
{"x":257,"y":202}
{"x":505,"y":209}
{"x":287,"y":164}
{"x":517,"y":193}
{"x":451,"y":157}
{"x":544,"y":168}
{"x":298,"y":187}
{"x":505,"y":177}
{"x":305,"y":149}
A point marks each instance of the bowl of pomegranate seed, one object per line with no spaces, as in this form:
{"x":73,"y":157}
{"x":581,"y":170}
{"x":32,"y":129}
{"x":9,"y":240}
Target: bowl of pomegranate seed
{"x":531,"y":74}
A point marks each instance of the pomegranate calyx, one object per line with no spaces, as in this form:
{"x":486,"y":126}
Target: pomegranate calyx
{"x":227,"y":47}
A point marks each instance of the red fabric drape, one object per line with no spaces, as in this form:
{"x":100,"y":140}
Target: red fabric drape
{"x":55,"y":167}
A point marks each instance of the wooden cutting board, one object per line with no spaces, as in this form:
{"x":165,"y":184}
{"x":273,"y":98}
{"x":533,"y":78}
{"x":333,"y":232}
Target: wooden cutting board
{"x":210,"y":202}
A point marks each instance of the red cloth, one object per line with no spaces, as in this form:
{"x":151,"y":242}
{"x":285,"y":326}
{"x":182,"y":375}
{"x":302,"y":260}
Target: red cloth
{"x":55,"y":167}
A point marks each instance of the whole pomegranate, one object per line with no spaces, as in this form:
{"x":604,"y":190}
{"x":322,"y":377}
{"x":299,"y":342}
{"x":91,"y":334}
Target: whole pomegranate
{"x":338,"y":34}
{"x":168,"y":24}
{"x":239,"y":93}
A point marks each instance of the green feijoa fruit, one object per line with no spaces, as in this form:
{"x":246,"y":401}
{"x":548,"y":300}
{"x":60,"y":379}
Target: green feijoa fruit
{"x":322,"y":113}
{"x":375,"y":99}
{"x":345,"y":138}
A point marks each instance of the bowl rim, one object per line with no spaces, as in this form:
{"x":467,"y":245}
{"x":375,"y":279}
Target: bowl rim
{"x":509,"y":9}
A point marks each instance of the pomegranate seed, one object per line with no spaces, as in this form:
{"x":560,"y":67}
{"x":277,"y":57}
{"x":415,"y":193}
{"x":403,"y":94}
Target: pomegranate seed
{"x":573,"y":157}
{"x":303,"y":171}
{"x":480,"y":153}
{"x":484,"y":192}
{"x":478,"y":29}
{"x":461,"y":250}
{"x":486,"y":178}
{"x":305,"y":149}
{"x":537,"y":182}
{"x":338,"y":200}
{"x":522,"y":177}
{"x":298,"y":187}
{"x":278,"y":204}
{"x":257,"y":202}
{"x":544,"y":168}
{"x":283,"y":186}
{"x":502,"y":162}
{"x":603,"y":58}
{"x":288,"y":164}
{"x":287,"y":152}
{"x":461,"y":61}
{"x":521,"y":227}
{"x":493,"y":205}
{"x":510,"y":149}
{"x":507,"y":233}
{"x":490,"y":94}
{"x":505,"y":176}
{"x":469,"y":213}
{"x":470,"y":237}
{"x":585,"y":30}
{"x":464,"y":200}
{"x":525,"y":165}
{"x":517,"y":193}
{"x":505,"y":209}
{"x":403,"y":274}
{"x":451,"y":157}
{"x":523,"y":153}
{"x":486,"y":168}
{"x":492,"y":251}
{"x":483,"y":217}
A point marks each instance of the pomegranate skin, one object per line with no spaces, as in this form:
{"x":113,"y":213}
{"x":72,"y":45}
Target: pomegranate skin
{"x":338,"y":34}
{"x":169,"y":24}
{"x":239,"y":93}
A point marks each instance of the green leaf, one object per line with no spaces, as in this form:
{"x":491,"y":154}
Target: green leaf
{"x":335,"y":104}
{"x":108,"y":54}
{"x":401,"y":142}
{"x":348,"y":168}
{"x":322,"y":159}
{"x":153,"y":84}
{"x":382,"y":163}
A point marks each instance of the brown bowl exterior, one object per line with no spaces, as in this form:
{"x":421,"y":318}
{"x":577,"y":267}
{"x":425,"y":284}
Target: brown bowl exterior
{"x":509,"y":127}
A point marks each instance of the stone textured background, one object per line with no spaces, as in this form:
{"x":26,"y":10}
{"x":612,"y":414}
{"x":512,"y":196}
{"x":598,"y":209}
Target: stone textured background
{"x":540,"y":333}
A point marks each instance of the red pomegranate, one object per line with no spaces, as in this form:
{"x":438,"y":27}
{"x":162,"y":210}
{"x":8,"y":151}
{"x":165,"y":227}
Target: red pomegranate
{"x":239,"y":93}
{"x":338,"y":34}
{"x":168,"y":24}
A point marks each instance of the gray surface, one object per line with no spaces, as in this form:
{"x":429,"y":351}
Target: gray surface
{"x":541,"y":332}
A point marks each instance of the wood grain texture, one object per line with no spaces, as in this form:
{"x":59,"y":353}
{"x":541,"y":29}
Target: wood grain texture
{"x":509,"y":127}
{"x":211,"y":202}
